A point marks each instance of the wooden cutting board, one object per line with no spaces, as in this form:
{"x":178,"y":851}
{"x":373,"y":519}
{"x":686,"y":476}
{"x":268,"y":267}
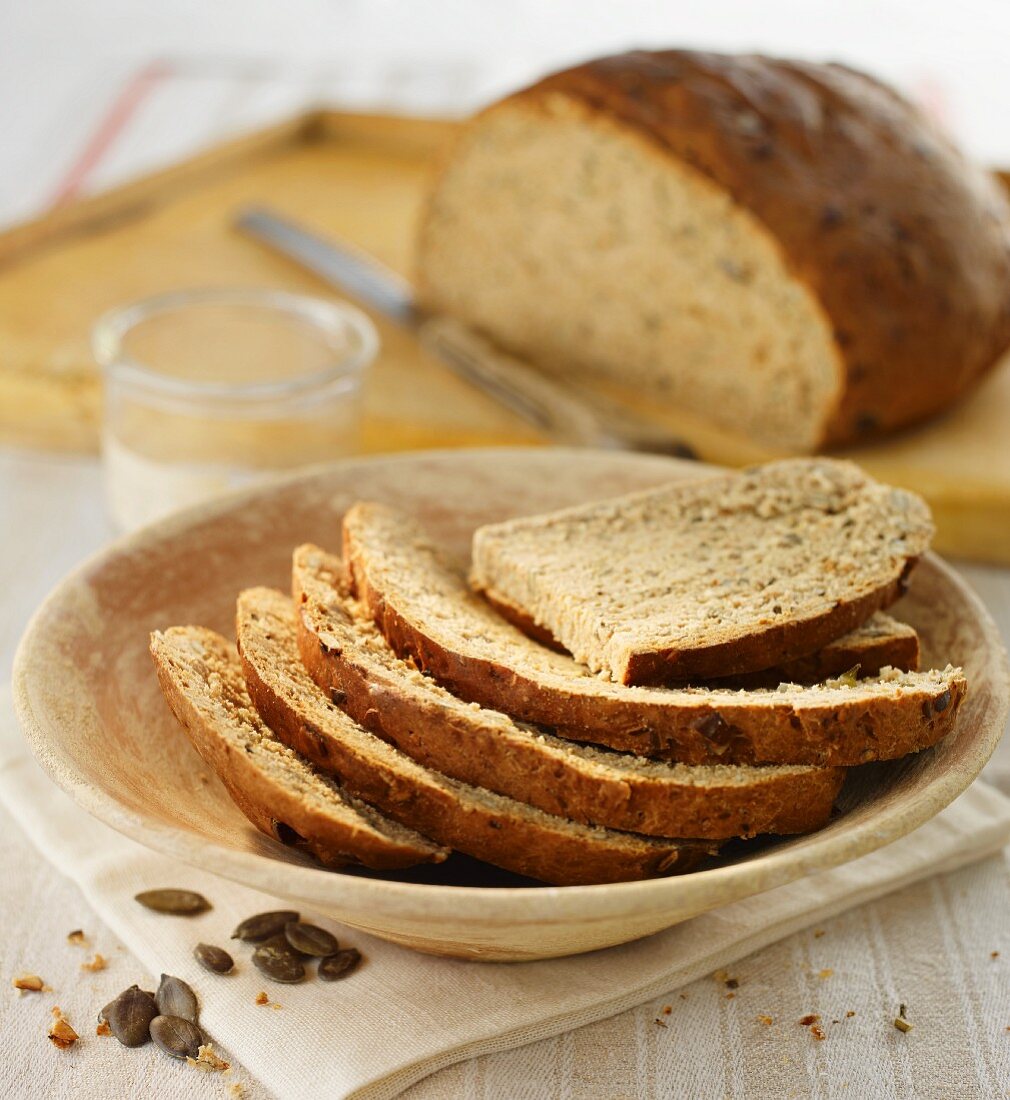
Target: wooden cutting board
{"x":362,"y":178}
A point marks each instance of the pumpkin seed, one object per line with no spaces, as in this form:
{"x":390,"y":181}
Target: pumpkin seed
{"x":103,"y":1016}
{"x":177,"y":1037}
{"x":129,"y":1016}
{"x":262,"y":926}
{"x":179,"y":902}
{"x":175,"y":998}
{"x":277,"y":960}
{"x":214,"y":959}
{"x":341,"y":964}
{"x":308,"y":939}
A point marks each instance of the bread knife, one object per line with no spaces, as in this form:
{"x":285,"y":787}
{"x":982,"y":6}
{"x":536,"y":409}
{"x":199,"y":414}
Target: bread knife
{"x":553,"y":409}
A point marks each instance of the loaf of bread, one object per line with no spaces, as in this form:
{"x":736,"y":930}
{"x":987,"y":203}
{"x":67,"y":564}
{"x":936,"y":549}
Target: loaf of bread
{"x":788,"y":250}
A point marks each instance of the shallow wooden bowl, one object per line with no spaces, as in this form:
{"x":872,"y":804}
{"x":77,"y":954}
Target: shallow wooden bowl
{"x":89,"y":701}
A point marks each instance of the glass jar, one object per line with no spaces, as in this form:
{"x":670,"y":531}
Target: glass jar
{"x":207,"y":390}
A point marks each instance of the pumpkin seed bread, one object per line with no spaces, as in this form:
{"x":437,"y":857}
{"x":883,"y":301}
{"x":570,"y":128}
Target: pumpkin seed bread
{"x":789,"y":251}
{"x":280,"y":793}
{"x":724,"y":575}
{"x":420,"y":601}
{"x":479,"y":822}
{"x":349,"y":658}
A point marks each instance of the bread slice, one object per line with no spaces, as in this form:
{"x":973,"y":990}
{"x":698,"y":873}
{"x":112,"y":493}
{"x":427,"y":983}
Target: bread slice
{"x":279,"y":791}
{"x":724,"y":575}
{"x":348,"y":657}
{"x":420,"y":601}
{"x":881,"y":642}
{"x":482,"y":824}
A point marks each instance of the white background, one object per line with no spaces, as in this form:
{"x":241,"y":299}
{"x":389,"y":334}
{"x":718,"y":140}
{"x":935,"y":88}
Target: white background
{"x":55,"y":55}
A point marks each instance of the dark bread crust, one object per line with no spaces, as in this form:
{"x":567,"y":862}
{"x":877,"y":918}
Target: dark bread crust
{"x":485,"y":826}
{"x":267,"y":803}
{"x":661,"y":724}
{"x":902,"y":240}
{"x":521,"y":620}
{"x":463,"y":743}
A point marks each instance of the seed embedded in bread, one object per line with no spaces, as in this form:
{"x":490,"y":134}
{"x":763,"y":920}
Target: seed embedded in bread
{"x":719,"y":576}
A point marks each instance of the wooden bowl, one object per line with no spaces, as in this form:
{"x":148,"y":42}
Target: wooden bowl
{"x":88,"y":698}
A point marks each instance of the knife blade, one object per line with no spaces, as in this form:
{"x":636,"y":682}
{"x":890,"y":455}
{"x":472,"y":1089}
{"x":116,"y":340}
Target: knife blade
{"x":341,"y":265}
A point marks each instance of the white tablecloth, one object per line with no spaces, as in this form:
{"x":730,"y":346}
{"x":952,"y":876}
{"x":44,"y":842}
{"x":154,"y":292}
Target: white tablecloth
{"x":930,"y":946}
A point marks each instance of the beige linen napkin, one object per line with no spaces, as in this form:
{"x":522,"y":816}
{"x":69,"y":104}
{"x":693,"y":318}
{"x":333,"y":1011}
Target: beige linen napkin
{"x":404,"y":1015}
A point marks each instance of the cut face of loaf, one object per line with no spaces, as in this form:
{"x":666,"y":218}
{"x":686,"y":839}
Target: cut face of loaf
{"x":576,"y":245}
{"x":278,"y":790}
{"x":352,"y":662}
{"x":786,"y":249}
{"x":482,"y":824}
{"x":421,"y":602}
{"x":726,"y":575}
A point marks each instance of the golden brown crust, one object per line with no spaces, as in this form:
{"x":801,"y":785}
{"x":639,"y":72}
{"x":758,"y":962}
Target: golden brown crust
{"x":900,"y":238}
{"x":482,"y":825}
{"x":662,"y":725}
{"x":470,"y":745}
{"x":267,"y":803}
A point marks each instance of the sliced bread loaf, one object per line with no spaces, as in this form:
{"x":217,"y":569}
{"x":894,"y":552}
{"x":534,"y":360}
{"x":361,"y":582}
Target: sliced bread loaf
{"x":786,"y":249}
{"x":350,"y":659}
{"x":420,"y":601}
{"x":279,"y":791}
{"x":482,"y":824}
{"x":724,"y":575}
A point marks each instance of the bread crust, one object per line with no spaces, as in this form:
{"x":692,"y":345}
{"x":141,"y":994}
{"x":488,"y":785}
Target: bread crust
{"x":488,"y":750}
{"x":664,"y":723}
{"x":902,"y":241}
{"x":481,"y":824}
{"x":335,"y":839}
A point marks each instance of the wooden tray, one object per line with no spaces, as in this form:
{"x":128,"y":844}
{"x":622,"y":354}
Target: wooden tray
{"x":358,"y":177}
{"x":361,"y":178}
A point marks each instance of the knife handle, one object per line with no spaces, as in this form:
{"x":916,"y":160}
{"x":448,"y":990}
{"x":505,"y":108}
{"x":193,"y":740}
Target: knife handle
{"x":552,"y":409}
